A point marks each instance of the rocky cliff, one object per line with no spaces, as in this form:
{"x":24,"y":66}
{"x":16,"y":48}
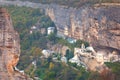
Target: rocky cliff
{"x":9,"y":49}
{"x":99,"y":25}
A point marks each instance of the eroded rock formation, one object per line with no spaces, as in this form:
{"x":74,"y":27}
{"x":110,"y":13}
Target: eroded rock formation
{"x":98,"y":25}
{"x":9,"y":48}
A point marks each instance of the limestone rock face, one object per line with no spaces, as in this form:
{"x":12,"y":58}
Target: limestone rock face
{"x":9,"y":48}
{"x":98,"y":25}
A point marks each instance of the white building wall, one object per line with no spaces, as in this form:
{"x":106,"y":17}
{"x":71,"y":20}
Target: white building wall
{"x":50,"y":30}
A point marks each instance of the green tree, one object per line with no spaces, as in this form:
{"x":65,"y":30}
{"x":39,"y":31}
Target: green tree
{"x":80,"y":42}
{"x":69,"y":54}
{"x":52,"y":37}
{"x":51,"y":65}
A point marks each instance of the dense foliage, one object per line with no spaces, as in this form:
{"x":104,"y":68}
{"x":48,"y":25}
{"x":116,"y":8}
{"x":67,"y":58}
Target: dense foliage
{"x":31,"y":44}
{"x":115,"y":67}
{"x":59,"y":71}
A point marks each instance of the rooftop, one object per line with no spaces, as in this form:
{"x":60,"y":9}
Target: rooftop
{"x":51,"y":28}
